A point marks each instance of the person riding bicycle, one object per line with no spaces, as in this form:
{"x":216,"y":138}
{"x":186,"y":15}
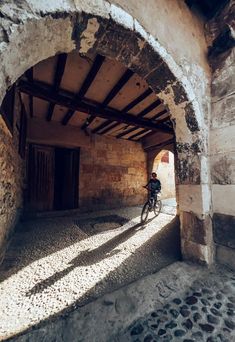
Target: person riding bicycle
{"x":154,"y":186}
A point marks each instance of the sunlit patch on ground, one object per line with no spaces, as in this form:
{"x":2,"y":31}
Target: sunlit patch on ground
{"x":56,"y":264}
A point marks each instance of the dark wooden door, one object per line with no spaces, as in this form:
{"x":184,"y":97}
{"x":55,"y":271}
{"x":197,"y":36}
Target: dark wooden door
{"x":41,"y":178}
{"x":66,"y":179}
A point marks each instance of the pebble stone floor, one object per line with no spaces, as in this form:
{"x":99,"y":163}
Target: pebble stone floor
{"x":205,"y":313}
{"x":54,"y":264}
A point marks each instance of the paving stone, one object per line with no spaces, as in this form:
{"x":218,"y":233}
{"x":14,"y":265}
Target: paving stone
{"x":174,"y":313}
{"x":138,"y":329}
{"x":212,"y":319}
{"x":161,"y":332}
{"x":215,"y":312}
{"x":179,"y":333}
{"x":229,"y":323}
{"x":188,"y":324}
{"x":205,"y":302}
{"x":217,"y":305}
{"x":204,"y":309}
{"x":154,"y":326}
{"x":197,"y":335}
{"x":171,"y":325}
{"x":230,"y":305}
{"x":207,"y":327}
{"x":213,"y":339}
{"x":197,"y":317}
{"x":231,"y":312}
{"x":154,"y":314}
{"x":177,"y":301}
{"x":197,"y":294}
{"x":191,"y":300}
{"x":219,"y":296}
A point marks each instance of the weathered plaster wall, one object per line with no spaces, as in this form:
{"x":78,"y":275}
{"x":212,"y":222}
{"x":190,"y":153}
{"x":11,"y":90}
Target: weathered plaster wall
{"x":222,"y":143}
{"x":11,"y":180}
{"x":112,"y":174}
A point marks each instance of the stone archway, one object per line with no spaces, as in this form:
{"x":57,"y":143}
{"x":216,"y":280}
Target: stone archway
{"x":33,"y":35}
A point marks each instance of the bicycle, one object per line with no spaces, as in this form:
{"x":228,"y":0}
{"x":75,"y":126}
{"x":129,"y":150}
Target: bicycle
{"x":153,"y":204}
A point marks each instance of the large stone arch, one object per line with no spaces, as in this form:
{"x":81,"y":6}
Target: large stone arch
{"x":34,"y":32}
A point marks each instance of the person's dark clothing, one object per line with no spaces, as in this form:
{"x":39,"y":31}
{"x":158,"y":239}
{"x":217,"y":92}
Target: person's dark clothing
{"x":154,"y":185}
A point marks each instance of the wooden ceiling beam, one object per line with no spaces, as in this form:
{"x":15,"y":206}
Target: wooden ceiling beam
{"x":127,"y":108}
{"x":118,"y":86}
{"x":29,"y":76}
{"x":113,"y":92}
{"x":158,"y":115}
{"x":86,"y":84}
{"x":138,"y":133}
{"x":59,"y":72}
{"x":86,"y":106}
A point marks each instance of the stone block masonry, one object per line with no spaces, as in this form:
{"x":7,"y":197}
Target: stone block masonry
{"x":112,"y":173}
{"x":222,"y":142}
{"x":11,"y":181}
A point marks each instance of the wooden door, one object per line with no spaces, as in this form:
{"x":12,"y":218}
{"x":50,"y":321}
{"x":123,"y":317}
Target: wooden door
{"x":41,"y":178}
{"x":66,"y":178}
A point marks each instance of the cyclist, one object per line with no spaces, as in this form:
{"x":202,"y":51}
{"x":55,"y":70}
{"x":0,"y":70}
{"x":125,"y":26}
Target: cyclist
{"x":154,"y":186}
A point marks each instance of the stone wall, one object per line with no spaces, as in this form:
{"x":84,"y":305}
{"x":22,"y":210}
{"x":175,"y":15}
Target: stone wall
{"x":112,"y":174}
{"x":222,"y":143}
{"x":11,"y":180}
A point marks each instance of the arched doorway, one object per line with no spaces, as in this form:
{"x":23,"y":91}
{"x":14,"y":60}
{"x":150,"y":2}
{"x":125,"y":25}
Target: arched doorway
{"x":126,"y":41}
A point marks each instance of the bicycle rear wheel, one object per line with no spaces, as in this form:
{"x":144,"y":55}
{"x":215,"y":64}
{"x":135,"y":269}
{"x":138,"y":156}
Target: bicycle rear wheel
{"x":158,"y":207}
{"x":145,"y":212}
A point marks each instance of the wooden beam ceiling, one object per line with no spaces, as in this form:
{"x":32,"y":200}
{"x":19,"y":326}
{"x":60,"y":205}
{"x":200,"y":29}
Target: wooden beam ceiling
{"x":126,"y":109}
{"x":86,"y":85}
{"x":47,"y":93}
{"x":113,"y":92}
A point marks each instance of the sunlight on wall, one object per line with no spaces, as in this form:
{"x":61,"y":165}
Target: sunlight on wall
{"x":165,"y":169}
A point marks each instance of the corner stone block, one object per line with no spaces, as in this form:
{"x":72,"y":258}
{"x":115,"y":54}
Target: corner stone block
{"x":195,"y":229}
{"x":196,"y":252}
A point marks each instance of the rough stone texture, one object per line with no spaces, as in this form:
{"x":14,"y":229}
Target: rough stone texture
{"x":222,"y":137}
{"x":195,"y":229}
{"x":224,"y":229}
{"x":55,"y":265}
{"x":11,"y":180}
{"x":223,"y":168}
{"x":112,"y":173}
{"x":180,"y":303}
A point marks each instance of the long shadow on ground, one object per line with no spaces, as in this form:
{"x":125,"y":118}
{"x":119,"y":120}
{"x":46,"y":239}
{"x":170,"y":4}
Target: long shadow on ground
{"x":166,"y":242}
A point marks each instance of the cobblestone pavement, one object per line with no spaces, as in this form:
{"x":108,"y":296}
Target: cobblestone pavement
{"x":205,"y":312}
{"x":56,"y":264}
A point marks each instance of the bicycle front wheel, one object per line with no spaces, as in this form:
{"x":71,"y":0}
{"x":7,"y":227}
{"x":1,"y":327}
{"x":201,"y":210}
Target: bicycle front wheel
{"x":145,"y":212}
{"x":158,"y":207}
